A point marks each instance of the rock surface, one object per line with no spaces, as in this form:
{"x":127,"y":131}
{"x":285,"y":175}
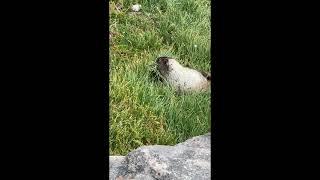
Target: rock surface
{"x":187,"y":160}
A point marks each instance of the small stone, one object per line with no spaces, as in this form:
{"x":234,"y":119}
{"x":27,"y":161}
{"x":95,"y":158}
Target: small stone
{"x":136,"y":7}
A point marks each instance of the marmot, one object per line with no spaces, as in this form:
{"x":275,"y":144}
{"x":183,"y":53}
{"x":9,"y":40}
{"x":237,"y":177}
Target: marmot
{"x":182,"y":78}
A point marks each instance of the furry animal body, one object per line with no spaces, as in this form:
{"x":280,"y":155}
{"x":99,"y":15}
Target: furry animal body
{"x":182,"y":78}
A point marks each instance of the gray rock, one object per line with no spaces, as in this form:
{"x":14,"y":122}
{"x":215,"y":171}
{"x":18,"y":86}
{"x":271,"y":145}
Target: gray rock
{"x":117,"y":166}
{"x":187,"y":160}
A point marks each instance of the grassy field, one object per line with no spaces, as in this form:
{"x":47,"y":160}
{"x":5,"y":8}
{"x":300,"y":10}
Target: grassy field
{"x":144,"y":111}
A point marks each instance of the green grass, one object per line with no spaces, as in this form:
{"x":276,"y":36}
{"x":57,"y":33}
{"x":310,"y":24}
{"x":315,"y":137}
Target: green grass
{"x":144,"y":111}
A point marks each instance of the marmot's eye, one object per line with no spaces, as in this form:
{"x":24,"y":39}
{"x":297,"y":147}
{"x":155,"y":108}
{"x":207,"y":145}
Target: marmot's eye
{"x":165,"y":61}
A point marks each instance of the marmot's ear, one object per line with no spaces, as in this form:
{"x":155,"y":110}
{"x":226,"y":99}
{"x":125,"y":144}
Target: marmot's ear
{"x":209,"y":77}
{"x":206,"y":75}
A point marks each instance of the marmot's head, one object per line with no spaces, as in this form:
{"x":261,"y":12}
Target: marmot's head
{"x":167,"y":64}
